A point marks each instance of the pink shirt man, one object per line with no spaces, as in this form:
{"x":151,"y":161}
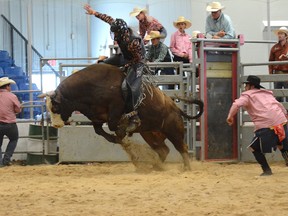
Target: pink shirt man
{"x":180,"y":44}
{"x":264,"y":110}
{"x":9,"y":106}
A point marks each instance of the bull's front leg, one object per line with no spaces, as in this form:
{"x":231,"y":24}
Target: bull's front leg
{"x":109,"y":137}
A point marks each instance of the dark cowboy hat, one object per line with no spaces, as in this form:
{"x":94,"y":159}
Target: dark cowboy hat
{"x":253,"y":80}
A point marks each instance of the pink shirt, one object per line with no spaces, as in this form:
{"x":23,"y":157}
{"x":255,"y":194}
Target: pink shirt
{"x":264,"y":110}
{"x":180,"y":43}
{"x":9,"y":106}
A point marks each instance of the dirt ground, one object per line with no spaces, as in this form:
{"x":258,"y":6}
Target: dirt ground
{"x":122,"y":189}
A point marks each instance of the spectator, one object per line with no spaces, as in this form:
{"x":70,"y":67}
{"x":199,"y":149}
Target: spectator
{"x":218,"y":25}
{"x":180,"y":44}
{"x":148,"y":23}
{"x":9,"y":107}
{"x":279,"y":52}
{"x":158,"y":52}
{"x":269,"y":118}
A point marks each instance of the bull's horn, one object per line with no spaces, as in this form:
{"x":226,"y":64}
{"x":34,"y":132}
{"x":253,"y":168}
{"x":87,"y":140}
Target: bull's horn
{"x":49,"y":94}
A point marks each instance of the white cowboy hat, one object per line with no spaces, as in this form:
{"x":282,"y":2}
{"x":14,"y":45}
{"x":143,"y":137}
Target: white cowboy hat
{"x":214,"y":6}
{"x":195,"y":34}
{"x":181,"y":19}
{"x":137,"y":10}
{"x":282,"y":29}
{"x":153,"y":35}
{"x":5,"y":81}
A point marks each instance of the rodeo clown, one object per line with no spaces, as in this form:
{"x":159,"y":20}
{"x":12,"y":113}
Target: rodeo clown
{"x":269,"y":118}
{"x":133,"y":51}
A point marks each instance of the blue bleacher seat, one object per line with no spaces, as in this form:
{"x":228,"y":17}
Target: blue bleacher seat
{"x":14,"y":87}
{"x":4,"y":65}
{"x":5,"y":59}
{"x":1,"y":71}
{"x":4,"y":55}
{"x":13,"y":71}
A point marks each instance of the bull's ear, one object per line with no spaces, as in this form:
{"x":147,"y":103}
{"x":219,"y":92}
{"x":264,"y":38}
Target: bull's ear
{"x":47,"y":94}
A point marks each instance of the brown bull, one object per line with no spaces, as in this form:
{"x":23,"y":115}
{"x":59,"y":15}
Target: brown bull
{"x":95,"y":91}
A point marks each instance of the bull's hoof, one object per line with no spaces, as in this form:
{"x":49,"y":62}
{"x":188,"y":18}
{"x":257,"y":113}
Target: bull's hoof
{"x":187,"y":168}
{"x":133,"y":124}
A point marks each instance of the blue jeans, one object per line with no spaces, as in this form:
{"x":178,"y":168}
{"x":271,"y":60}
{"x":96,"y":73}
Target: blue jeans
{"x":11,"y":131}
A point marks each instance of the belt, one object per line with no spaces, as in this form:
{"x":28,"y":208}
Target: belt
{"x":3,"y":123}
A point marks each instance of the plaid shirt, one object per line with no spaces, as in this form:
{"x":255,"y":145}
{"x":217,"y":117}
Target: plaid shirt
{"x":146,"y":26}
{"x":276,"y":51}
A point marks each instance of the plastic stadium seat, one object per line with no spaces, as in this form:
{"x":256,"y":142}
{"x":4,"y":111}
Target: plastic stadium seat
{"x":14,"y":87}
{"x":13,"y":71}
{"x":4,"y":55}
{"x":5,"y":64}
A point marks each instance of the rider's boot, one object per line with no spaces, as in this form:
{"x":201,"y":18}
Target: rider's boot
{"x":134,"y":122}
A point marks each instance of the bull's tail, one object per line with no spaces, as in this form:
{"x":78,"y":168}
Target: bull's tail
{"x":191,"y":101}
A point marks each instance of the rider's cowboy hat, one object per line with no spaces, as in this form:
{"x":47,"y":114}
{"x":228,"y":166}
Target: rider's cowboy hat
{"x":181,"y":19}
{"x":137,"y":11}
{"x":153,"y":35}
{"x":5,"y":81}
{"x":214,"y":6}
{"x":282,"y":29}
{"x":253,"y":80}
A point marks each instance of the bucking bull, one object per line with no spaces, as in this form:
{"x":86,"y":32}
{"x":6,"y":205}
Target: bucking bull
{"x":96,"y":92}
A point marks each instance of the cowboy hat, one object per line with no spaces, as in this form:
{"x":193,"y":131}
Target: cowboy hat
{"x":153,"y":35}
{"x":182,"y":19}
{"x":214,"y":6}
{"x":195,"y":34}
{"x":282,"y":29}
{"x":137,"y":11}
{"x":5,"y":81}
{"x":253,"y":80}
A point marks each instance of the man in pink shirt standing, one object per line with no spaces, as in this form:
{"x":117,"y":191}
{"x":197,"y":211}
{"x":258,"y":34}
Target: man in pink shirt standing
{"x":269,"y":118}
{"x":9,"y":107}
{"x":180,"y":44}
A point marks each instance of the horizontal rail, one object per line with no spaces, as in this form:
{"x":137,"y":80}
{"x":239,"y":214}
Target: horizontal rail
{"x":220,"y":49}
{"x":265,"y":63}
{"x":269,"y":78}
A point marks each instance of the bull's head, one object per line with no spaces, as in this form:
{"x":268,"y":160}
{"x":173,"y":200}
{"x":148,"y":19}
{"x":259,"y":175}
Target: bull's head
{"x":54,"y":107}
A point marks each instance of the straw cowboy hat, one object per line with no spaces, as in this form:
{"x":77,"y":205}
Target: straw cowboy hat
{"x":137,"y":10}
{"x":214,"y":6}
{"x":182,"y":19}
{"x":282,"y":29}
{"x":153,"y":35}
{"x":5,"y":81}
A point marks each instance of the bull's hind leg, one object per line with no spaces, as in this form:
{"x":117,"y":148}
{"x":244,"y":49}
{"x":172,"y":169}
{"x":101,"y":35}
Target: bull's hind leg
{"x":181,"y":147}
{"x":156,"y":142}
